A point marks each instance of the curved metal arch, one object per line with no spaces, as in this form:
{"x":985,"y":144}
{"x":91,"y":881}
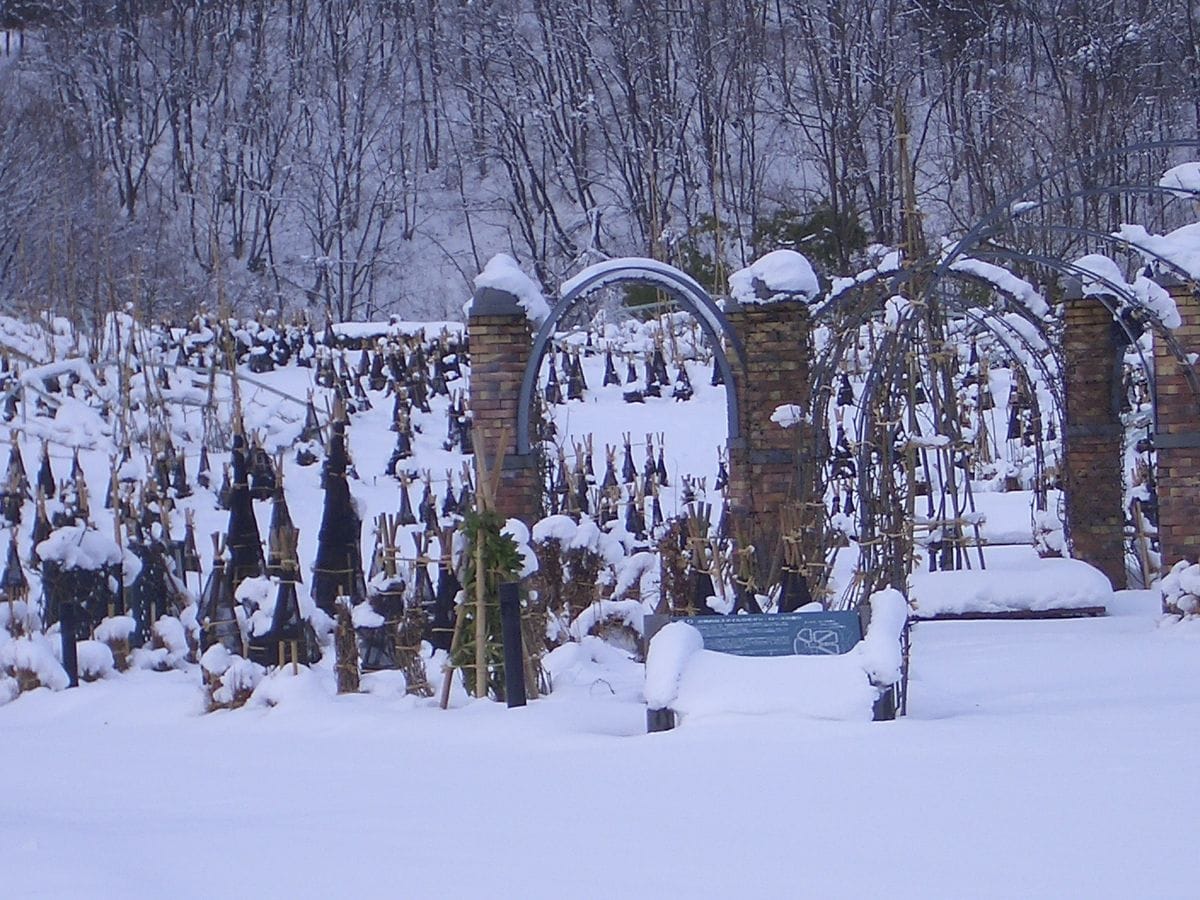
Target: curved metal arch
{"x":679,"y":285}
{"x":989,"y":220}
{"x":1119,"y":292}
{"x":1015,"y":306}
{"x":1123,"y":243}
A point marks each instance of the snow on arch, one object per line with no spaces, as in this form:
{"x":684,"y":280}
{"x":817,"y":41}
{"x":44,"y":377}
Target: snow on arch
{"x":1099,"y":275}
{"x":1182,"y":180}
{"x":629,"y":268}
{"x":1006,"y":282}
{"x":647,"y":271}
{"x":1178,"y":250}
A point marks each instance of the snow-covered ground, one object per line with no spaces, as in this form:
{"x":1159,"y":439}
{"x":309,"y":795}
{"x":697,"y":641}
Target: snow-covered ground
{"x":1047,"y":759}
{"x":1038,"y":759}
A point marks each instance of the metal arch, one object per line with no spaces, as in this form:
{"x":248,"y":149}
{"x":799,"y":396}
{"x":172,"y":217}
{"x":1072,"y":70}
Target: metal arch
{"x":1123,"y":243}
{"x":682,"y":287}
{"x":871,"y":307}
{"x":1119,"y":292}
{"x":991,"y":219}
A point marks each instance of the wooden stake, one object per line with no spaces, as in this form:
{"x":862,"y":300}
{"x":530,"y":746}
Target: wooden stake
{"x":480,"y":623}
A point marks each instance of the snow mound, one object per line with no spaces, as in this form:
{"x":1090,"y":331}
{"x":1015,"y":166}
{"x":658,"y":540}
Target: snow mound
{"x":1032,"y":586}
{"x":1180,"y":589}
{"x":669,"y":654}
{"x":503,"y":274}
{"x":1179,"y":249}
{"x":79,"y":547}
{"x":34,"y":655}
{"x":782,"y":275}
{"x":554,"y":528}
{"x":879,"y":651}
{"x":116,"y":628}
{"x":95,"y":660}
{"x":630,"y":613}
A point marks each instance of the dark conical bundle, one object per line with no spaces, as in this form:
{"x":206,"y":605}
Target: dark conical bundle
{"x":652,"y":388}
{"x":610,"y":370}
{"x":718,"y":377}
{"x":338,"y":569}
{"x":660,"y":365}
{"x":179,"y":478}
{"x":282,"y":559}
{"x":290,"y":636}
{"x":203,"y":470}
{"x":154,"y":592}
{"x":263,"y":476}
{"x":45,"y":477}
{"x":845,"y":396}
{"x":18,"y":476}
{"x":682,"y":390}
{"x":554,"y":392}
{"x":576,"y":382}
{"x":41,"y":526}
{"x":242,"y":537}
{"x":312,"y":425}
{"x":13,"y":584}
{"x":405,"y":515}
{"x":628,"y":469}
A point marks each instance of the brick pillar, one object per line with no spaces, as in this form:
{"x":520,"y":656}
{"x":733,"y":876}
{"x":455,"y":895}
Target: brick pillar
{"x":1178,"y":439}
{"x":763,"y":474}
{"x":1092,"y":463}
{"x":501,"y":341}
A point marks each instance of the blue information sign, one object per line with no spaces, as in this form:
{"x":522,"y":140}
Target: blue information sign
{"x":824,"y":633}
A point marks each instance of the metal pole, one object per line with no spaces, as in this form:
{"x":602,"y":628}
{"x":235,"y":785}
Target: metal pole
{"x":67,"y":629}
{"x":514,"y":655}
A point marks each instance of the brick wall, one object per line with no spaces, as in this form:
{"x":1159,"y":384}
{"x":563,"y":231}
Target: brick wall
{"x":763,"y":466}
{"x":1092,"y":463}
{"x":500,"y":347}
{"x":1178,"y":437}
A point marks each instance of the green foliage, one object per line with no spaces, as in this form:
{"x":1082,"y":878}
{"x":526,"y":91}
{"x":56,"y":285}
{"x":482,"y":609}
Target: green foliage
{"x":695,"y":254}
{"x":501,"y":563}
{"x":827,"y":238}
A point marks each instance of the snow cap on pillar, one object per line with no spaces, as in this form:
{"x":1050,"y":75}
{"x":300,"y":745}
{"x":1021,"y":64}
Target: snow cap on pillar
{"x":1100,"y":276}
{"x":780,"y":275}
{"x":503,"y":289}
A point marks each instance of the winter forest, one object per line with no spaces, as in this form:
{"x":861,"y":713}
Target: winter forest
{"x":368,"y":158}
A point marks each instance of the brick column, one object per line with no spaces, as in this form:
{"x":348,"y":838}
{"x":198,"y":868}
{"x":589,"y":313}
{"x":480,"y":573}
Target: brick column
{"x":1178,"y":438}
{"x":501,"y":341}
{"x":1092,"y":462}
{"x":763,"y":465}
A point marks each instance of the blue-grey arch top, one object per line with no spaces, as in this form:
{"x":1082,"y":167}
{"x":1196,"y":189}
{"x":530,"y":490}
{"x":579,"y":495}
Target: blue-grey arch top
{"x":632,"y":270}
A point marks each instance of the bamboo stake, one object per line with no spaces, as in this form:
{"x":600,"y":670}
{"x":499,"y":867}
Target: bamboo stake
{"x":460,"y":621}
{"x":480,"y":623}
